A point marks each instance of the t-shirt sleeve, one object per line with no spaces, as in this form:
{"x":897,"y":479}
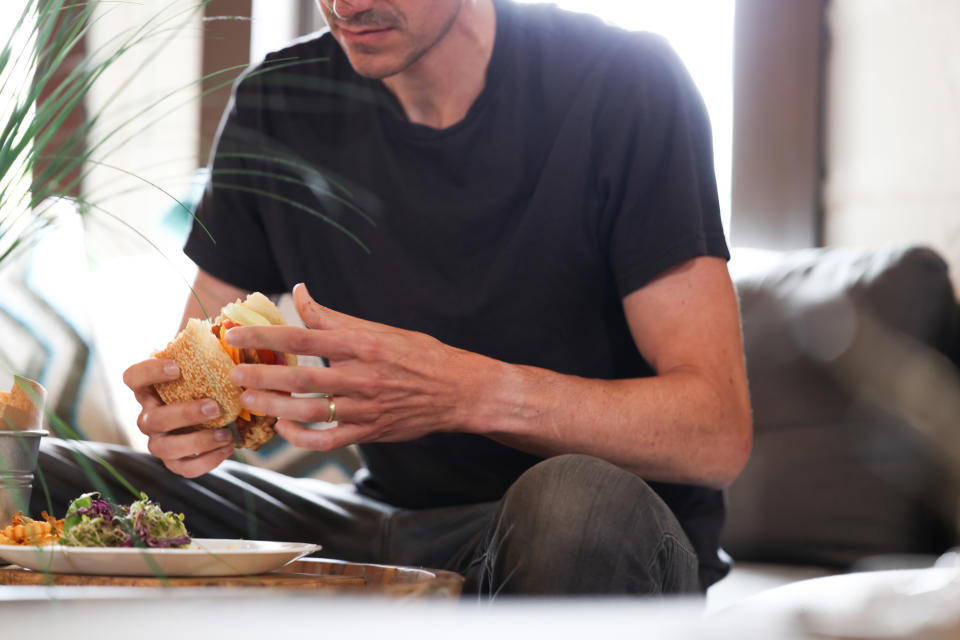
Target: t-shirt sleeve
{"x":655,"y":166}
{"x":228,"y":238}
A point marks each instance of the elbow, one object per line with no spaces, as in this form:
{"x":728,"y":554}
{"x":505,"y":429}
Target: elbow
{"x":735,"y":447}
{"x":733,"y":441}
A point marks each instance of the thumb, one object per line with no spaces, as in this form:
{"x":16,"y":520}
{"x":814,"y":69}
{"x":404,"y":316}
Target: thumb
{"x":315,"y":315}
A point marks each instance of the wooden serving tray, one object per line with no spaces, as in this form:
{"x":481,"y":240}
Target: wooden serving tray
{"x":309,"y":573}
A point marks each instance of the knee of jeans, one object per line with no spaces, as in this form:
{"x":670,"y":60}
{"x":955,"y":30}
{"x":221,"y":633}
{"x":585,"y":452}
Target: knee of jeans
{"x":568,"y":501}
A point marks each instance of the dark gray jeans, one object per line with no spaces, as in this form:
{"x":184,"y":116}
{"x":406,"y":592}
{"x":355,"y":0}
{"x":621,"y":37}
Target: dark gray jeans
{"x":569,"y":525}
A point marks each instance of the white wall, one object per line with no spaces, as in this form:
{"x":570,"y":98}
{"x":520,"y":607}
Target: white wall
{"x":893,"y":125}
{"x":149,"y":105}
{"x":274,"y":23}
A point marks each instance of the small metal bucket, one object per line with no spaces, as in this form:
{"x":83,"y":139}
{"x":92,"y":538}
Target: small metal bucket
{"x":18,"y":460}
{"x":20,"y":434}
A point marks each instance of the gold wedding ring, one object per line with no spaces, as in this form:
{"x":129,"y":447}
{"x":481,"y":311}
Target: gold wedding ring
{"x":332,"y":417}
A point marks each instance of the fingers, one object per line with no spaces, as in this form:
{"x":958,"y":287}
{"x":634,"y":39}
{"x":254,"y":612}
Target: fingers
{"x":157,"y":418}
{"x":313,"y":314}
{"x":184,"y":448}
{"x":171,"y":431}
{"x":165,"y":418}
{"x":302,"y":409}
{"x":192,"y":452}
{"x":297,"y":379}
{"x":319,"y":439}
{"x":142,"y":376}
{"x":192,"y":466}
{"x":286,"y":339}
{"x":186,"y":443}
{"x":151,"y":372}
{"x":317,"y":316}
{"x":328,"y":333}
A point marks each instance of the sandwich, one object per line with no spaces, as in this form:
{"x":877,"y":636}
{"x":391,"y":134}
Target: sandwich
{"x":205,"y":360}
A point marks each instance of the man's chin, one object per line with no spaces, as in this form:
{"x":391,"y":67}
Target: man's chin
{"x":369,"y":66}
{"x":375,"y":73}
{"x":376,"y":63}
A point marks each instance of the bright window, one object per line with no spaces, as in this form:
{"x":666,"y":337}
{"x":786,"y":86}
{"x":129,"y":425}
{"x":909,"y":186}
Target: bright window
{"x":701,"y":32}
{"x":15,"y":73}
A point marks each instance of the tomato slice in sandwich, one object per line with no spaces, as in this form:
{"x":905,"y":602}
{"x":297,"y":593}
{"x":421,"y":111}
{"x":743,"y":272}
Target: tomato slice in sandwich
{"x":240,"y":356}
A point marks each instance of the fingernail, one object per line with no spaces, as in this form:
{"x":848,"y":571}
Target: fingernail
{"x":227,"y":449}
{"x":222,"y":435}
{"x":246,"y":398}
{"x":171,"y":370}
{"x":210,"y":408}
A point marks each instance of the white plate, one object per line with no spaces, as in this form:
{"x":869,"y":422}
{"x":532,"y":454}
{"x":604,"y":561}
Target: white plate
{"x":205,"y":557}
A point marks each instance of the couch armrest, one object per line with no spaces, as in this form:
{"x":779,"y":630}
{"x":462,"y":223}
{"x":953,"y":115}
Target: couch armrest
{"x":855,"y":402}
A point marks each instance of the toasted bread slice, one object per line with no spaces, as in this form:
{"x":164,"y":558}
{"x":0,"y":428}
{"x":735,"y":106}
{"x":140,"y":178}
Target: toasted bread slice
{"x":204,"y":372}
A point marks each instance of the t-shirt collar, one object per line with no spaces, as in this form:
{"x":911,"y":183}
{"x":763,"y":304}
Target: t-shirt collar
{"x":393,"y":117}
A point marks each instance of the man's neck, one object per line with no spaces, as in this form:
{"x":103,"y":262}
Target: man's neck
{"x":439,"y":88}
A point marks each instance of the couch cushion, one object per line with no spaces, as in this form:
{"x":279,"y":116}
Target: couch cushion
{"x":855,"y":406}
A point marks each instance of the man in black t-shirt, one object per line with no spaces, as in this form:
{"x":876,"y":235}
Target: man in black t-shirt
{"x":507,"y":219}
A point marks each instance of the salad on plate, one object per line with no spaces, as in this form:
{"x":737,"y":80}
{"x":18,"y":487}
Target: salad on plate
{"x":92,"y":521}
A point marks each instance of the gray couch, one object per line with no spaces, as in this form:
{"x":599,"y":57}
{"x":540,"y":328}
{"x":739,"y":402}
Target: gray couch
{"x":852,"y":357}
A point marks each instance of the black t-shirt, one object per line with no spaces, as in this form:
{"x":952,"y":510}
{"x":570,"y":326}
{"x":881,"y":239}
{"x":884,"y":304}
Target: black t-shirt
{"x":582,"y":171}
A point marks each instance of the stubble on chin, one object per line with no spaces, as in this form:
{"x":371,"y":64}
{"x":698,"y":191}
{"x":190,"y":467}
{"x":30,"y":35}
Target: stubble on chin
{"x":368,"y":66}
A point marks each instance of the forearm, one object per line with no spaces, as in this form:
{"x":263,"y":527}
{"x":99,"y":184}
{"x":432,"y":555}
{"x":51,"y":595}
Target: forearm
{"x":680,"y":426}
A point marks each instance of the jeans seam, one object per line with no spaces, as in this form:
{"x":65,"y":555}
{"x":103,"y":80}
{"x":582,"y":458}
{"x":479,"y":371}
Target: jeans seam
{"x":677,"y":545}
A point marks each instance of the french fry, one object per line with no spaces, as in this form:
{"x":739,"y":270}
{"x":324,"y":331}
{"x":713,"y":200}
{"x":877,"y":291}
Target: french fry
{"x":24,"y":530}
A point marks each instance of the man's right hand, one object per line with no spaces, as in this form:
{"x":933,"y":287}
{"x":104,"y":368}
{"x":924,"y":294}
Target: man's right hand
{"x":171,"y":430}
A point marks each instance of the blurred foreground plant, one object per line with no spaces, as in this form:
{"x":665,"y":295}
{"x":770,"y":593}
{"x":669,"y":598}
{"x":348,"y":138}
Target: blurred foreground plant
{"x":49,"y":136}
{"x":52,"y":134}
